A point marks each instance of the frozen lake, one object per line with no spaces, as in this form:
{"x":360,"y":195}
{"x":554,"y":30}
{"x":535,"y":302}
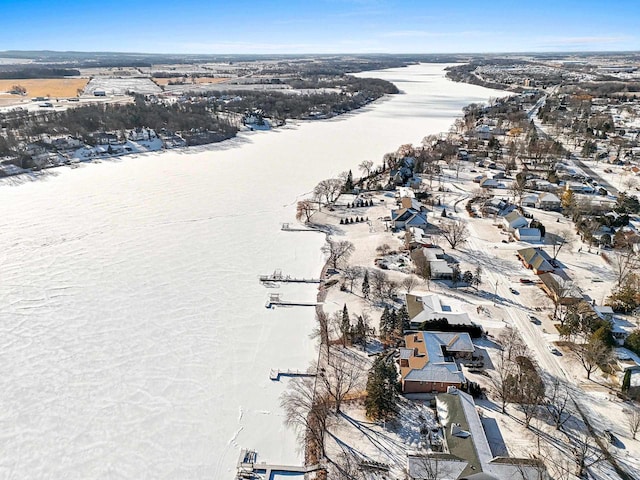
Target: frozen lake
{"x":134,"y":342}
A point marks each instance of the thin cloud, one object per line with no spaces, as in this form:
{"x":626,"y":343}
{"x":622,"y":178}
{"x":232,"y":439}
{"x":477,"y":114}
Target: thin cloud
{"x":428,"y":34}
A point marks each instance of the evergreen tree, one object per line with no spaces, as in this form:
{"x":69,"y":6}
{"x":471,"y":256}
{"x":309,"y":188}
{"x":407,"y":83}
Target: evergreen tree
{"x":348,"y":183}
{"x":403,"y":319}
{"x":365,"y":284}
{"x":359,"y":334}
{"x":384,"y":322}
{"x":456,"y":276}
{"x":477,"y":277}
{"x":382,"y":394}
{"x":345,"y":326}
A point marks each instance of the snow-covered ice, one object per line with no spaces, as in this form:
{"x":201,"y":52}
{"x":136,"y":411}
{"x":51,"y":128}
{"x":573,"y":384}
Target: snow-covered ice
{"x":134,"y":342}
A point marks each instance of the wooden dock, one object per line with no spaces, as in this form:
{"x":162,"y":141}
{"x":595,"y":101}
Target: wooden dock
{"x":277,"y":276}
{"x":276,"y":374}
{"x":276,"y":301}
{"x":248,"y":467}
{"x":288,"y":228}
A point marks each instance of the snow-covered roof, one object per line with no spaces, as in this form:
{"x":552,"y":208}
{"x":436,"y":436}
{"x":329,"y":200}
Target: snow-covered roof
{"x":433,"y":306}
{"x":427,"y":362}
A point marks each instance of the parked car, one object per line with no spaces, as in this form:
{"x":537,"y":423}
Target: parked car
{"x":526,"y":281}
{"x":553,"y":350}
{"x":535,"y":320}
{"x":514,"y":291}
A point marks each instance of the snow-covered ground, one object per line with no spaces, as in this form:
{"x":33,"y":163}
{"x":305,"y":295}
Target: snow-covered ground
{"x":134,"y":342}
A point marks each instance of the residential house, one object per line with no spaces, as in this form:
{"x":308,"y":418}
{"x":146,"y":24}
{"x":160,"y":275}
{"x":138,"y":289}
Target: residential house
{"x":497,"y":206}
{"x":427,"y":362}
{"x":530,"y":200}
{"x":531,"y":235}
{"x":435,"y":307}
{"x":404,"y":218}
{"x":467,"y":454}
{"x":417,"y":238}
{"x":548,"y":201}
{"x":411,"y":202}
{"x":561,"y":291}
{"x":535,"y":259}
{"x":439,"y":263}
{"x":578,"y":187}
{"x":484,"y":132}
{"x":514,"y":220}
{"x":491,"y":183}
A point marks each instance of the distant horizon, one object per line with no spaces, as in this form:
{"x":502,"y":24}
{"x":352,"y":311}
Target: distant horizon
{"x":326,"y":27}
{"x":7,"y":53}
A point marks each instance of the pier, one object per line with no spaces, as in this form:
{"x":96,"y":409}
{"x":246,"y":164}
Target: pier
{"x":276,"y":301}
{"x":248,"y":468}
{"x":275,"y":375}
{"x":288,"y":228}
{"x":277,"y":276}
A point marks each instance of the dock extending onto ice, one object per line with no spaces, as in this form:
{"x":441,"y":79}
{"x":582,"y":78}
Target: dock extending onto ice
{"x":248,"y":467}
{"x":277,"y":276}
{"x":276,"y":301}
{"x":276,"y":374}
{"x":288,"y":228}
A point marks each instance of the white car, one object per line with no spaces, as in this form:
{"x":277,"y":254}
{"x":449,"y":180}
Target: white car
{"x":553,"y":350}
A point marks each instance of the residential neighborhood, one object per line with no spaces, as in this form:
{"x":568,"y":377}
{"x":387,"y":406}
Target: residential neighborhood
{"x":504,"y":295}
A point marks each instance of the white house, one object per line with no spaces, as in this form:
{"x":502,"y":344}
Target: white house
{"x":548,"y":201}
{"x":513,"y":220}
{"x":531,"y":235}
{"x":435,"y":307}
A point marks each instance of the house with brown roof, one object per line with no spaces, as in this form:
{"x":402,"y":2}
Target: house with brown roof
{"x":428,"y":361}
{"x":535,"y":259}
{"x":560,"y":290}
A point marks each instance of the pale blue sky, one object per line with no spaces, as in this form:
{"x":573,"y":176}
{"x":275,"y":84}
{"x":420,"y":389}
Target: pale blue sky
{"x":320,"y":26}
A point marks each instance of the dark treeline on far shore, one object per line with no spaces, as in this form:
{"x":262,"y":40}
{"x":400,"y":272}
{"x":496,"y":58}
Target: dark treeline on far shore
{"x":197,"y":118}
{"x":331,"y":96}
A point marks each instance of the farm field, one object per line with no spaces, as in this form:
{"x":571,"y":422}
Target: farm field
{"x":46,"y":87}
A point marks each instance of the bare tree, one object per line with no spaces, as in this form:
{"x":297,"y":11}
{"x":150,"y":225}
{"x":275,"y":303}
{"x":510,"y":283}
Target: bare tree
{"x":383,"y":249}
{"x":304,"y":210}
{"x":338,"y":251}
{"x":378,"y":280}
{"x":428,"y":466}
{"x":512,"y":343}
{"x":556,"y":403}
{"x":593,"y":354}
{"x":504,"y":371}
{"x":365,"y":166}
{"x":624,"y":263}
{"x":307,"y":411}
{"x":559,"y":240}
{"x":586,"y":452}
{"x":455,"y":232}
{"x":633,"y":419}
{"x":321,"y":331}
{"x":529,"y":389}
{"x":422,"y":266}
{"x":328,"y":190}
{"x":341,"y":377}
{"x":347,"y":467}
{"x":352,"y":273}
{"x":517,"y":188}
{"x":410,"y":282}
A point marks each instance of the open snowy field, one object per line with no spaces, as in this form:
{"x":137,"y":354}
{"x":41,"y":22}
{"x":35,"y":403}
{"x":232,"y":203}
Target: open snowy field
{"x":134,"y":342}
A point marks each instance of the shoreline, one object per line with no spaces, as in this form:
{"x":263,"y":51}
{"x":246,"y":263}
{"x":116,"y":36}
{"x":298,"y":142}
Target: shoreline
{"x":166,"y":200}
